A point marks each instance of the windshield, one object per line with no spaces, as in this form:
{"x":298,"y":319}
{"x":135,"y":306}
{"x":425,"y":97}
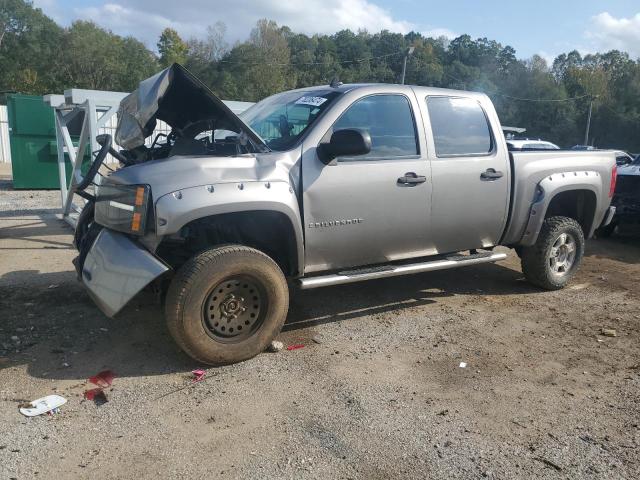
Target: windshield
{"x":636,"y":161}
{"x":282,"y":119}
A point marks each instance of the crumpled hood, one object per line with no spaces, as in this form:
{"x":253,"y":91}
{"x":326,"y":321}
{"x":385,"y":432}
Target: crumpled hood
{"x":178,"y":98}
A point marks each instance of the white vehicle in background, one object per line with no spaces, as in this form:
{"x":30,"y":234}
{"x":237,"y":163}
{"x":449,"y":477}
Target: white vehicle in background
{"x":527,"y":144}
{"x":623,"y":158}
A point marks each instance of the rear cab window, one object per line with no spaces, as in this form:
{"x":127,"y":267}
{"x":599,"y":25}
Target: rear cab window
{"x":460,"y":127}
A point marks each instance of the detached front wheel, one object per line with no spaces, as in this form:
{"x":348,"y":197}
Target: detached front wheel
{"x":227,"y":304}
{"x":554,"y":259}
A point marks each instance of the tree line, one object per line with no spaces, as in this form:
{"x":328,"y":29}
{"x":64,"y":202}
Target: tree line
{"x":39,"y":56}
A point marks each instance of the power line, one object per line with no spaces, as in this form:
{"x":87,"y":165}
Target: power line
{"x":540,"y":99}
{"x":361,"y":60}
{"x":553,"y":100}
{"x":289,"y":64}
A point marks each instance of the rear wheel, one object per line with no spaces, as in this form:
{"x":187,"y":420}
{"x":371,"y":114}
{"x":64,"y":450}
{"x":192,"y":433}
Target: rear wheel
{"x":226,"y":304}
{"x":554,"y":259}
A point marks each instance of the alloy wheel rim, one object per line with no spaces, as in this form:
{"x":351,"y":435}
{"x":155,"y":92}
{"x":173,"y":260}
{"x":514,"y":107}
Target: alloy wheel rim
{"x":562,"y":255}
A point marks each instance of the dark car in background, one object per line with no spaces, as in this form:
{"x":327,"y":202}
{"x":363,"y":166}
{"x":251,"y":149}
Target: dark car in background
{"x":623,"y":158}
{"x":626,"y":198}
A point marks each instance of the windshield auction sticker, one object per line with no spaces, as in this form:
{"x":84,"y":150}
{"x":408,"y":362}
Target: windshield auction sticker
{"x":313,"y":101}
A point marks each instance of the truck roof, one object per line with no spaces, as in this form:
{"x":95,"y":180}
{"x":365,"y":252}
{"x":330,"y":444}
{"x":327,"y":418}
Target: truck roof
{"x":347,"y":87}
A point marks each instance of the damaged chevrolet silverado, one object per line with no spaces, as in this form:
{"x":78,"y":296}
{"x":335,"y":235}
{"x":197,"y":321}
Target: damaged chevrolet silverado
{"x":314,"y":187}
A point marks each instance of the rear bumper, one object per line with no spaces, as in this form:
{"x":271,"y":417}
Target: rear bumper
{"x":116,"y":269}
{"x":611,"y":211}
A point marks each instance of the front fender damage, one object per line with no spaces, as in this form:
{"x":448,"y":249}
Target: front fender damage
{"x":116,"y":269}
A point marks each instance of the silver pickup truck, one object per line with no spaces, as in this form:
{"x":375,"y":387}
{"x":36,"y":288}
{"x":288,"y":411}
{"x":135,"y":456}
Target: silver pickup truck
{"x":313,"y":187}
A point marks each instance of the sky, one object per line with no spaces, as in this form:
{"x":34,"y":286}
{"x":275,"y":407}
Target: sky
{"x":545,"y":27}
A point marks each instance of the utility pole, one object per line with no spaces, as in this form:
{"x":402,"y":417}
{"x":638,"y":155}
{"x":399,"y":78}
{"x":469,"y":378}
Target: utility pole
{"x":586,"y":133}
{"x":404,"y":63}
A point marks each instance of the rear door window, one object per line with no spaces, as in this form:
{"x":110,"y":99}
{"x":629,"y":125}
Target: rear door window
{"x":389,"y":121}
{"x":460,"y":127}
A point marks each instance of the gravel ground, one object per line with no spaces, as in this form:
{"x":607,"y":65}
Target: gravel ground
{"x":376,"y":392}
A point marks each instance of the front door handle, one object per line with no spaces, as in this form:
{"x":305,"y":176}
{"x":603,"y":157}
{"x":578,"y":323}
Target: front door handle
{"x":410,"y":178}
{"x":491,"y":174}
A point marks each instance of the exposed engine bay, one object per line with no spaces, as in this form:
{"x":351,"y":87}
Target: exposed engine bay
{"x":201,"y":124}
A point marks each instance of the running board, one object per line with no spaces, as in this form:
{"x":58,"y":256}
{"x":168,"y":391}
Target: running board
{"x":453,"y":261}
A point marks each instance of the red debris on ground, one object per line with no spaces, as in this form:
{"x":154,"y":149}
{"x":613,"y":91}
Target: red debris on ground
{"x":103,"y":379}
{"x":198,"y":375}
{"x":97,"y":395}
{"x":295,"y":347}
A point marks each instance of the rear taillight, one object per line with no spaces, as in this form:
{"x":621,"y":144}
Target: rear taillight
{"x":614,"y":177}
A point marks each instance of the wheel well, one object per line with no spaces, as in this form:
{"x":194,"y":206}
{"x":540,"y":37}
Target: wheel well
{"x":269,"y":231}
{"x":577,"y":204}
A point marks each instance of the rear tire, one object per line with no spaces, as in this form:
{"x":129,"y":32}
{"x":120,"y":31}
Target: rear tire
{"x":227,"y":304}
{"x":554,"y":259}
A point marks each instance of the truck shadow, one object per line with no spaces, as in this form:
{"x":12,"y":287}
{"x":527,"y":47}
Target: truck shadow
{"x":35,"y":227}
{"x":344,"y":302}
{"x":620,"y":247}
{"x":61,"y":335}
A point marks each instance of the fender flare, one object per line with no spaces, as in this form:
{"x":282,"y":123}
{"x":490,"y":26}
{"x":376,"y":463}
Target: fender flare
{"x":548,"y":188}
{"x":176,"y":209}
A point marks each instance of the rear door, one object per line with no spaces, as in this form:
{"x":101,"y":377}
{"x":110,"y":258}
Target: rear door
{"x":470,"y":173}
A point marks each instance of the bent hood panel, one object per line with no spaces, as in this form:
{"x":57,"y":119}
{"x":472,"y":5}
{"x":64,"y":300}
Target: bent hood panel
{"x":175,"y":173}
{"x":178,"y":98}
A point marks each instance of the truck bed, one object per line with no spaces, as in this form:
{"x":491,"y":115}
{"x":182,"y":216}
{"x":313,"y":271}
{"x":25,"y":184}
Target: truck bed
{"x":592,"y":170}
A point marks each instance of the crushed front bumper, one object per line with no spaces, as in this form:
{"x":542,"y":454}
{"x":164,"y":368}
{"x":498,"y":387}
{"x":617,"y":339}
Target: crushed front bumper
{"x":116,"y":269}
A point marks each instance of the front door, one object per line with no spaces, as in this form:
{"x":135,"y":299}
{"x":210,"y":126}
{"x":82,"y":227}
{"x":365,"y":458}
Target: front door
{"x":470,"y":171}
{"x":373,"y":208}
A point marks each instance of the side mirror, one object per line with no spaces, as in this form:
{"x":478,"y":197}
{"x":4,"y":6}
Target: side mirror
{"x":345,"y":143}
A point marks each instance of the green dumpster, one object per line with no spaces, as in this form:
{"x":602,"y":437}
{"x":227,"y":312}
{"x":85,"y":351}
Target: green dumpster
{"x":34,"y":154}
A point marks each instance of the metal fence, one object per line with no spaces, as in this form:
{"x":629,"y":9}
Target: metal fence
{"x":5,"y":151}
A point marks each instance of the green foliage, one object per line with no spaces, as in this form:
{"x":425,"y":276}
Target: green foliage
{"x":172,"y":48}
{"x":38,"y":56}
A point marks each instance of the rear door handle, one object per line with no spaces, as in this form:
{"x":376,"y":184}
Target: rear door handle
{"x":491,"y":174}
{"x":410,"y":178}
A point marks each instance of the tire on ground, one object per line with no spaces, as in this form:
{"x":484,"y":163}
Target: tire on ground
{"x":535,"y":259}
{"x":191,"y":287}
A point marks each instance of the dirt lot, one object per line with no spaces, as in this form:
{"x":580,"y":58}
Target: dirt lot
{"x":376,"y":392}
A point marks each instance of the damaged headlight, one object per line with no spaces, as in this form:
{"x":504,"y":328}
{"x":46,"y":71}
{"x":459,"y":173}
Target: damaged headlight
{"x":123,"y":208}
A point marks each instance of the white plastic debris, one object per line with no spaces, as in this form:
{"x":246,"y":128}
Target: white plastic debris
{"x":463,"y":365}
{"x":42,"y":405}
{"x":275,"y":346}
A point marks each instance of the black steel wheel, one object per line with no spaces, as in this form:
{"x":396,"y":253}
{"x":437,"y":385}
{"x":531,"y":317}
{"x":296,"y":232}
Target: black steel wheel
{"x":227,"y":304}
{"x":234,"y":309}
